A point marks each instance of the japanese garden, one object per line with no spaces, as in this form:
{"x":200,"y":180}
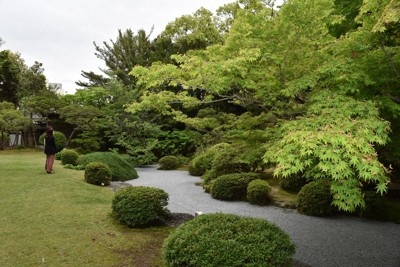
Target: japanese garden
{"x":289,"y":109}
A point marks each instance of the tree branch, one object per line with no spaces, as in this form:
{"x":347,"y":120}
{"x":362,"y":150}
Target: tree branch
{"x":205,"y":102}
{"x":390,"y":59}
{"x":395,"y":99}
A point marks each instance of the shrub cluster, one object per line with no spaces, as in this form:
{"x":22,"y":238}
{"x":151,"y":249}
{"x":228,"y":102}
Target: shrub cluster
{"x":232,"y":186}
{"x":228,"y":240}
{"x":168,"y":163}
{"x":315,"y":199}
{"x":293,"y":183}
{"x":140,"y":206}
{"x":69,"y":156}
{"x":121,"y":169}
{"x":258,"y":192}
{"x":226,"y":161}
{"x":203,"y":161}
{"x":97,"y":173}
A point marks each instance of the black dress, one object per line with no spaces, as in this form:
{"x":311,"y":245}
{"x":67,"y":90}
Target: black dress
{"x":50,"y":145}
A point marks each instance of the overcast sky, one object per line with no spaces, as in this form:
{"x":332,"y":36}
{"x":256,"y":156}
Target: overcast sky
{"x":60,"y":33}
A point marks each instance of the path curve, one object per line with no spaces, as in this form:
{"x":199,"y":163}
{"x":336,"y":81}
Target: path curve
{"x":320,"y":242}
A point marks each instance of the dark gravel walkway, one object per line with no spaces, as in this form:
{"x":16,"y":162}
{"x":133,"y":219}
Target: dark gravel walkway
{"x":340,"y":241}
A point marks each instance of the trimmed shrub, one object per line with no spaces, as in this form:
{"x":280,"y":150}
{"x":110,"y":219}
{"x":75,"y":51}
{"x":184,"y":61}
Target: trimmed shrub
{"x":228,"y":240}
{"x":168,"y":163}
{"x":58,"y":156}
{"x":293,"y":183}
{"x":97,"y":173}
{"x":121,"y":169}
{"x":258,"y":192}
{"x":69,"y":156}
{"x":140,"y":206}
{"x":232,"y":186}
{"x":315,"y":199}
{"x":61,"y":140}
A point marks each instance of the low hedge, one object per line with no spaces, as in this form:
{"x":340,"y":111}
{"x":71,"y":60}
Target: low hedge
{"x":258,"y":192}
{"x":228,"y":240}
{"x":97,"y":173}
{"x":140,"y":206}
{"x":121,"y":169}
{"x":232,"y":186}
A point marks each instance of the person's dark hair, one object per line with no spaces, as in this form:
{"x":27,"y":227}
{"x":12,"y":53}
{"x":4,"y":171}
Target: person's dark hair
{"x":49,"y":130}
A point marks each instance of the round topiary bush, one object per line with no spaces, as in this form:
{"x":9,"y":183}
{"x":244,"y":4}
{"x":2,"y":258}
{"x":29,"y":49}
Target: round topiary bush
{"x":315,"y":199}
{"x":97,"y":173}
{"x":121,"y":169}
{"x":232,"y":186}
{"x":228,"y":240}
{"x":69,"y":156}
{"x":258,"y":192}
{"x":140,"y":206}
{"x":61,"y":140}
{"x":293,"y":183}
{"x":168,"y":163}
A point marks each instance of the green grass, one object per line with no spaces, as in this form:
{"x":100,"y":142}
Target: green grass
{"x":60,"y":220}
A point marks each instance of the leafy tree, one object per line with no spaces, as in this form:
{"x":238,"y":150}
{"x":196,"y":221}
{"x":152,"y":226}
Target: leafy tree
{"x":43,"y":104}
{"x":192,"y":32}
{"x":335,"y":140}
{"x":120,"y":57}
{"x":33,"y":81}
{"x":10,"y":68}
{"x":12,"y":119}
{"x":83,"y":118}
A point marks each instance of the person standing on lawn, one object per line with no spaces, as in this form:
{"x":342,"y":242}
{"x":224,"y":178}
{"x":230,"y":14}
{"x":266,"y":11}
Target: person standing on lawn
{"x":50,"y":149}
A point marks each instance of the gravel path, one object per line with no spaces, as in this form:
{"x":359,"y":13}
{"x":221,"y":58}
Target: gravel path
{"x":340,"y":241}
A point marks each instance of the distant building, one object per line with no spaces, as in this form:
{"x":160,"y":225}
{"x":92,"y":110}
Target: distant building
{"x":56,"y":87}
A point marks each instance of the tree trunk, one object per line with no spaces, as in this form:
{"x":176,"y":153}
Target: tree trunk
{"x":69,"y":138}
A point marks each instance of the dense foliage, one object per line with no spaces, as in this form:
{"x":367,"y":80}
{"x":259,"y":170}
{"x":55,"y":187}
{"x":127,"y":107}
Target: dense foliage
{"x":228,"y":240}
{"x":293,"y":182}
{"x":204,"y":160}
{"x":98,"y":173}
{"x":225,"y":162}
{"x":140,"y":206}
{"x":121,"y":169}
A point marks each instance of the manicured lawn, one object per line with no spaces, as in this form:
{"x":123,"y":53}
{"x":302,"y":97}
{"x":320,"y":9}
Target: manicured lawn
{"x":60,"y":220}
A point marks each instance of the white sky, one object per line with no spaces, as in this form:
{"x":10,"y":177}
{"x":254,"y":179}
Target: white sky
{"x":60,"y":33}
